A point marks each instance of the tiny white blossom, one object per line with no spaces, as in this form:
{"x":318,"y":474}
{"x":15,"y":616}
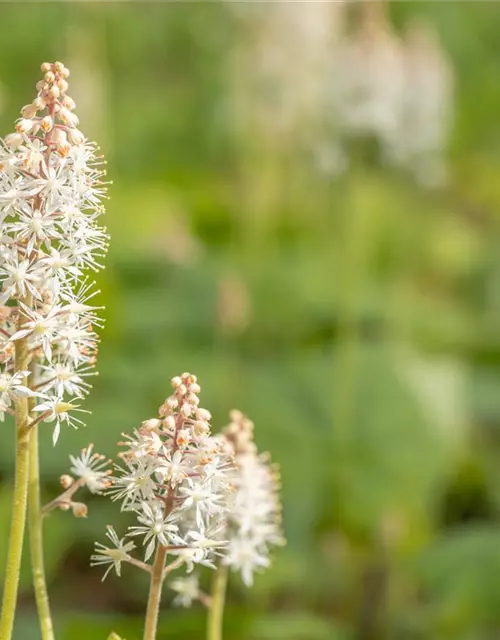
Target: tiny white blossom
{"x":154,"y":526}
{"x":187,"y":589}
{"x":112,"y":556}
{"x":91,"y":468}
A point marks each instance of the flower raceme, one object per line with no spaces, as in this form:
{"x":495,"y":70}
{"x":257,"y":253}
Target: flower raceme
{"x":205,"y":499}
{"x":176,"y":478}
{"x":51,"y":192}
{"x":254,"y":516}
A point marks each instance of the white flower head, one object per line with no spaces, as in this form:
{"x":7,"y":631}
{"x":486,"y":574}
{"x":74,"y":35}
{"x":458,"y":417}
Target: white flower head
{"x":114,"y":556}
{"x":92,"y":468}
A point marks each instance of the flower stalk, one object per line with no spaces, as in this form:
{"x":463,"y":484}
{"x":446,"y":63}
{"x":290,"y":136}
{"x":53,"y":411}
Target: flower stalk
{"x":155,"y":590}
{"x":19,"y":502}
{"x":216,"y":604}
{"x":35,"y":519}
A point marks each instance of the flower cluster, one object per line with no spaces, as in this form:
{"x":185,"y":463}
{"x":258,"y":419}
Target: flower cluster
{"x":51,"y":192}
{"x":397,"y":90}
{"x":89,"y":469}
{"x":254,"y":517}
{"x":176,"y":478}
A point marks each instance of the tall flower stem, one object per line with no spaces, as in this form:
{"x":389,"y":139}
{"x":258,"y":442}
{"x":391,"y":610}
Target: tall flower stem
{"x":36,"y":530}
{"x":155,"y":589}
{"x":217,"y":601}
{"x":20,"y":499}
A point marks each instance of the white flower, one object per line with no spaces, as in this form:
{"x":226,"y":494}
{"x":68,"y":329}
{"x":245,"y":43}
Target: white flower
{"x":201,"y":496}
{"x":91,"y":467}
{"x":254,"y":522}
{"x":135,"y":485}
{"x":174,"y":468}
{"x":155,"y":528}
{"x":62,"y":377}
{"x":13,"y":385}
{"x":245,"y":555}
{"x":56,"y":410}
{"x":187,"y":589}
{"x":113,"y":557}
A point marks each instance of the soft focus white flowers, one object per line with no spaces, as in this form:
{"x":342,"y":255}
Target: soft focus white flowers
{"x":51,"y":189}
{"x":206,"y":500}
{"x":254,"y":516}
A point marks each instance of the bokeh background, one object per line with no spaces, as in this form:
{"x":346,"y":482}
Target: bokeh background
{"x":304,"y":212}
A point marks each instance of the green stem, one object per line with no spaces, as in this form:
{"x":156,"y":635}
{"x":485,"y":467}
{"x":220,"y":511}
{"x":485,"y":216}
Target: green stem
{"x":36,"y":534}
{"x":216,"y":608}
{"x":154,"y":598}
{"x":19,"y":502}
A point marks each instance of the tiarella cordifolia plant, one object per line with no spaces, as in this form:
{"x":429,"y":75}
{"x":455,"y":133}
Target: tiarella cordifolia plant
{"x":51,"y":192}
{"x":176,"y":478}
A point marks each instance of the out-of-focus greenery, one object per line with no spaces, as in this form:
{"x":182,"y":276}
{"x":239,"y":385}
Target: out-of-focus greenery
{"x":355,"y":319}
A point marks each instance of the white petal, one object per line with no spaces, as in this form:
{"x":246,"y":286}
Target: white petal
{"x":55,"y":434}
{"x":149,"y":550}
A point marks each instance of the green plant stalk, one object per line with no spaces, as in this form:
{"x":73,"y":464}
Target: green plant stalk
{"x":35,"y":520}
{"x":19,"y":502}
{"x":216,"y":607}
{"x":154,"y":598}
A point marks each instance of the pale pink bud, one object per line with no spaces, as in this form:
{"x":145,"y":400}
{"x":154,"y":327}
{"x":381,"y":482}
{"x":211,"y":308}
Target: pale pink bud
{"x":187,"y":409}
{"x":183,"y":438}
{"x":76,"y":136}
{"x":169,"y":423}
{"x":193,"y":399}
{"x":194,"y":388}
{"x":79,"y":509}
{"x":152,"y":423}
{"x":66,"y":481}
{"x":172,"y":402}
{"x":46,"y":123}
{"x":68,"y":117}
{"x":176,"y":382}
{"x":54,"y":91}
{"x":63,"y":85}
{"x":46,"y":66}
{"x":200,"y":428}
{"x":29,"y":111}
{"x":163,"y":410}
{"x":68,"y":102}
{"x":58,"y":136}
{"x":39,"y":103}
{"x":49,"y":76}
{"x":203,"y":414}
{"x":14,"y":140}
{"x":24,"y":125}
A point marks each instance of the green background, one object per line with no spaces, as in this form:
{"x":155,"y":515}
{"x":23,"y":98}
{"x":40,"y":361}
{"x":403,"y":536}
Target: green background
{"x":354,"y":318}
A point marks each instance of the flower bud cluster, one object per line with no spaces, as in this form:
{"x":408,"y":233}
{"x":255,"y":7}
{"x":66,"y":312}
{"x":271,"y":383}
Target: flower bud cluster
{"x":51,"y":192}
{"x":176,"y":478}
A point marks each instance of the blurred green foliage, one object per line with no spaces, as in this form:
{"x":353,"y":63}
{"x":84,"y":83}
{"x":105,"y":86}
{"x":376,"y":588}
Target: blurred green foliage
{"x":354,"y":319}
